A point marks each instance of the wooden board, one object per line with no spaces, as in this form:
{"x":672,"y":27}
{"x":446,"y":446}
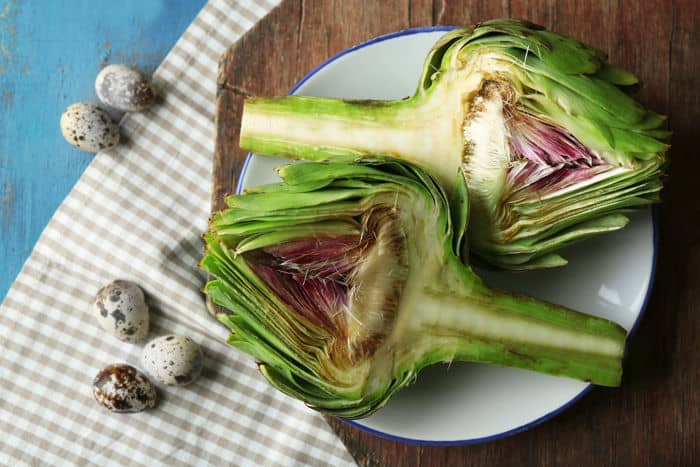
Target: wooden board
{"x":654,"y":419}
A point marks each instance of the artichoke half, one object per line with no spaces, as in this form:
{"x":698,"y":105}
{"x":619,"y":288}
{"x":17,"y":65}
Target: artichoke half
{"x":343,"y":281}
{"x":541,"y":127}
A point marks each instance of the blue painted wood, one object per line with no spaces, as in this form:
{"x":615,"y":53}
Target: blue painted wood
{"x":50,"y":53}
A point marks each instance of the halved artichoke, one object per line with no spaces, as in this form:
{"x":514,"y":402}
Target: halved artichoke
{"x":541,"y":127}
{"x":344,"y":281}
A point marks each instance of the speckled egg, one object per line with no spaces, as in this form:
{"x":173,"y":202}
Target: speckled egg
{"x":124,"y":88}
{"x":123,"y":388}
{"x":89,"y":128}
{"x":175,"y":360}
{"x":121,"y":310}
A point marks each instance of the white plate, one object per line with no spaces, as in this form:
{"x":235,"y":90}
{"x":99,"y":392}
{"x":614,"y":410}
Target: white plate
{"x":608,"y":276}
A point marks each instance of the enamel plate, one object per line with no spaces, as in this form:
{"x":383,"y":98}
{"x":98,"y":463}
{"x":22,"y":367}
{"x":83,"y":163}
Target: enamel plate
{"x":462,"y":403}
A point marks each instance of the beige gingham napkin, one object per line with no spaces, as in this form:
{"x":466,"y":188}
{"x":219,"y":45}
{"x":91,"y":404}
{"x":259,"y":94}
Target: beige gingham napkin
{"x":138,"y":213}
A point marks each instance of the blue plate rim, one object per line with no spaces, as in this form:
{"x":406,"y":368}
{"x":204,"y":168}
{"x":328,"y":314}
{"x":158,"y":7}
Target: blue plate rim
{"x":543,"y":418}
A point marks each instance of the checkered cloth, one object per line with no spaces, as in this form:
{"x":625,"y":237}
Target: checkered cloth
{"x":138,"y":213}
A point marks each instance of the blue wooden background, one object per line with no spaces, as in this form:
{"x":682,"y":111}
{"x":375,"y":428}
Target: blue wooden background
{"x":50,"y":53}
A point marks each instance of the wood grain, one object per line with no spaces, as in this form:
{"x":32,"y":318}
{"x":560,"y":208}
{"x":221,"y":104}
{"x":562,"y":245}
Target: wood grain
{"x":653,"y":420}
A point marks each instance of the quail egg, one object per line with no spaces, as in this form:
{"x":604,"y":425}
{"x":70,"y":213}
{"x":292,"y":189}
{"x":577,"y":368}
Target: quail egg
{"x":124,"y":88}
{"x":121,"y":310}
{"x":123,"y":388}
{"x":89,"y":128}
{"x":173,"y":359}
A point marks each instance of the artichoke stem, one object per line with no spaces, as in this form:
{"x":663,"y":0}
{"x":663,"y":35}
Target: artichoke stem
{"x":495,"y":327}
{"x":322,"y":129}
{"x":314,"y":128}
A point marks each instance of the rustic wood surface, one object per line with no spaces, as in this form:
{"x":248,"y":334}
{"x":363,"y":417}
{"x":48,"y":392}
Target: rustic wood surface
{"x":50,"y":53}
{"x":654,"y":419}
